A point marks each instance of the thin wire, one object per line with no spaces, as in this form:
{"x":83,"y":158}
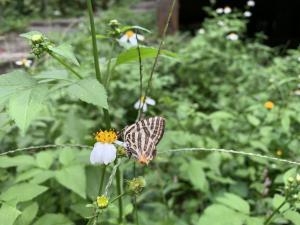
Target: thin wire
{"x":232,"y":152}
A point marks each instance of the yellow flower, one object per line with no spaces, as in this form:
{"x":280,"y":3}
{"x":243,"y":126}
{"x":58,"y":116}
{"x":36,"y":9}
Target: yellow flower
{"x":279,"y":152}
{"x":107,"y":137}
{"x":102,"y":201}
{"x":269,"y":105}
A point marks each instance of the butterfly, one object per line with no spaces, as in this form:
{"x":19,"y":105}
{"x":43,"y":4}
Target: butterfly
{"x":142,"y":137}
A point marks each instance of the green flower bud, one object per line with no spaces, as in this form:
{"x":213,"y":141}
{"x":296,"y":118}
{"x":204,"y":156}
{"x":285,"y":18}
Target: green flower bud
{"x":121,"y":151}
{"x":102,"y":201}
{"x":37,"y":39}
{"x":136,"y":185}
{"x":298,"y":178}
{"x":114,"y":24}
{"x":291,"y":180}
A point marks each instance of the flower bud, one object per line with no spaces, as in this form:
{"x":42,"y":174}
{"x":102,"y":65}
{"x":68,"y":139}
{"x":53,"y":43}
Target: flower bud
{"x":291,"y":180}
{"x":136,"y":185}
{"x":37,"y":39}
{"x":295,"y":197}
{"x":114,"y":24}
{"x":121,"y":151}
{"x":102,"y":201}
{"x":298,"y":178}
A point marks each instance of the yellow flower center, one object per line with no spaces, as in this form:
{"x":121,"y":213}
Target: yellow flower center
{"x":129,"y":33}
{"x":143,"y":99}
{"x":269,"y":105}
{"x":102,"y":201}
{"x":108,"y":137}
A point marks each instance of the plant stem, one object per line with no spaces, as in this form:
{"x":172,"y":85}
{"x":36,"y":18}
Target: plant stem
{"x":160,"y":47}
{"x":136,"y":211}
{"x":65,"y":64}
{"x":102,"y":179}
{"x":269,"y":219}
{"x":94,"y":41}
{"x":119,"y":191}
{"x":108,"y":70}
{"x":119,"y":196}
{"x":141,"y":78}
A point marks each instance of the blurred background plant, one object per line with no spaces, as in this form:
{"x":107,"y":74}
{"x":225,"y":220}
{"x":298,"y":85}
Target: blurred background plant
{"x":225,"y":90}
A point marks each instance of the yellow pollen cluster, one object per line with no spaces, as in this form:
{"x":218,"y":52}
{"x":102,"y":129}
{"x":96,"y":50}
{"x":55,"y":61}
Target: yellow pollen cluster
{"x":129,"y":33}
{"x":108,"y":137}
{"x":102,"y":201}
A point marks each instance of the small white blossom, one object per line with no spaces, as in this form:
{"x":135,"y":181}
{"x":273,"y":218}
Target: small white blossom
{"x":24,"y":62}
{"x":143,"y":102}
{"x":232,"y":37}
{"x":219,"y":10}
{"x":247,"y":14}
{"x":251,"y":3}
{"x":201,"y":31}
{"x":130,"y":39}
{"x":297,"y":92}
{"x":103,"y":153}
{"x":57,"y":13}
{"x":227,"y":10}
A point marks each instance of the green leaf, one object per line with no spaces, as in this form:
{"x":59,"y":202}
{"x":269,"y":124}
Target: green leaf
{"x":67,"y":156}
{"x":253,"y":120}
{"x":53,"y":219}
{"x":21,"y":160}
{"x":8,"y":214}
{"x":285,"y":121}
{"x":126,"y":28}
{"x":293,"y":217}
{"x":28,"y":215}
{"x":29,"y":34}
{"x":197,"y":176}
{"x":65,"y":51}
{"x":73,"y":178}
{"x":221,"y":215}
{"x":22,"y":192}
{"x":234,"y":202}
{"x":82,"y":210}
{"x":45,"y":159}
{"x":89,"y":90}
{"x":52,"y":75}
{"x":132,"y":55}
{"x":28,"y":174}
{"x":25,"y":106}
{"x":14,"y":82}
{"x":278,"y":200}
{"x":42,"y":177}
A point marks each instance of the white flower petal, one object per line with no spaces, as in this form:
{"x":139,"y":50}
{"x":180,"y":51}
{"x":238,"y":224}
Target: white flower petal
{"x":96,"y":156}
{"x":247,"y":14}
{"x":140,"y":37}
{"x":219,"y":10}
{"x":145,"y":107}
{"x":150,"y":101}
{"x":123,"y":39}
{"x":251,"y":3}
{"x":109,"y":153}
{"x":137,"y":104}
{"x":19,"y":63}
{"x":133,"y":41}
{"x":227,"y":10}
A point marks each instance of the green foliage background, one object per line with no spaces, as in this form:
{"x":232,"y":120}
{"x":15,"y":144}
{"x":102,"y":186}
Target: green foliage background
{"x":212,"y":96}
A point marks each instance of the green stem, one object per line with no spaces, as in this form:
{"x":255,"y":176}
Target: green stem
{"x":119,"y":196}
{"x":119,"y":191}
{"x":269,"y":219}
{"x":102,"y":179}
{"x":65,"y":64}
{"x":160,"y":47}
{"x":136,"y":211}
{"x":95,"y":49}
{"x":108,"y":70}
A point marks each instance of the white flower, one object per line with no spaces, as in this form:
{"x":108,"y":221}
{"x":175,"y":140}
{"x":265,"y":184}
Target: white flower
{"x":143,"y":102}
{"x":247,"y":14}
{"x":251,"y":3}
{"x":57,"y":13}
{"x":232,"y":37}
{"x":24,"y":62}
{"x":297,"y":92}
{"x":201,"y":31}
{"x":219,"y":10}
{"x":103,"y":153}
{"x":130,"y":39}
{"x":227,"y":10}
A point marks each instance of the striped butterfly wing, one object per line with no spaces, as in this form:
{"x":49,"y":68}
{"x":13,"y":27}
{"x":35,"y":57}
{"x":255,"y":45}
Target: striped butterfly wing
{"x":142,"y":137}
